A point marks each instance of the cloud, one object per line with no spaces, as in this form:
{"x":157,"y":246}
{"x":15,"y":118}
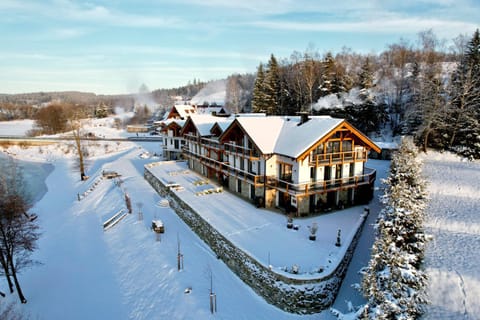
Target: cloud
{"x":399,"y":25}
{"x":68,"y":33}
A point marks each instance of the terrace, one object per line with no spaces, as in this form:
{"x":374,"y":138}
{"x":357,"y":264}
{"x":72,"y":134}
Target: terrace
{"x":262,"y":233}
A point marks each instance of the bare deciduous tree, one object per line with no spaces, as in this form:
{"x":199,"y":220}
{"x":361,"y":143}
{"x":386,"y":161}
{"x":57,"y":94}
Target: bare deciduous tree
{"x":18,"y":230}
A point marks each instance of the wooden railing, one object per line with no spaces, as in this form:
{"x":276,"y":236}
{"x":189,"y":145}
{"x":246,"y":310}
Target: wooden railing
{"x":322,"y":186}
{"x":322,"y":159}
{"x":240,"y":150}
{"x":225,"y":168}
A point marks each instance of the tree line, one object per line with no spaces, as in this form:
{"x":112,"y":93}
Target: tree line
{"x":421,"y":89}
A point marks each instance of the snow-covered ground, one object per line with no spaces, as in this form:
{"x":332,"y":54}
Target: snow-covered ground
{"x":124,"y":273}
{"x":16,"y":127}
{"x":263,"y":233}
{"x":452,"y":258}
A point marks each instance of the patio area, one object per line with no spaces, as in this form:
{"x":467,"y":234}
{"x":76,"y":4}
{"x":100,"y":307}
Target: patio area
{"x":262,"y":233}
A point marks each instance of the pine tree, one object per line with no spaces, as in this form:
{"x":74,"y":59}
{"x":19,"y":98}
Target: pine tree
{"x":334,"y":79}
{"x":272,"y":87}
{"x":365,"y":78}
{"x":259,"y":103}
{"x":465,"y":102}
{"x":393,"y":282}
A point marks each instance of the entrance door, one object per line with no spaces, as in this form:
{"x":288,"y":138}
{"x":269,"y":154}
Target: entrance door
{"x":284,"y":201}
{"x":312,"y":203}
{"x":331,"y":199}
{"x":327,"y":175}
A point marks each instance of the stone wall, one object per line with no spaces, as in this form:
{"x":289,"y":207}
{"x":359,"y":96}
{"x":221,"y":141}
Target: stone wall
{"x":289,"y":294}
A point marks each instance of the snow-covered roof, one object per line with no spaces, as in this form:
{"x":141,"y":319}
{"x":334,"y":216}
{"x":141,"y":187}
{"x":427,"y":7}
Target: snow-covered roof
{"x":294,"y":139}
{"x":183,"y":110}
{"x":177,"y":121}
{"x":285,"y":135}
{"x":205,"y":122}
{"x":209,"y":110}
{"x":264,"y":131}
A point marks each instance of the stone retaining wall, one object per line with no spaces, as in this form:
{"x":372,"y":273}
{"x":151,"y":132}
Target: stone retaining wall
{"x":289,"y":294}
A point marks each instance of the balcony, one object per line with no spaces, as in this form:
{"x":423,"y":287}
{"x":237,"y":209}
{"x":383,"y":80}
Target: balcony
{"x":190,"y":137}
{"x":226,"y":168}
{"x":321,"y":159}
{"x":240,"y":150}
{"x":209,"y":143}
{"x":322,"y":186}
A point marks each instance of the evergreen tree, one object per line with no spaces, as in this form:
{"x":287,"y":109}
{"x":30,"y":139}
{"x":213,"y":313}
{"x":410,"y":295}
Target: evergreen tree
{"x":334,"y":79}
{"x":393,"y":282}
{"x":365,"y":78}
{"x":465,"y":102}
{"x":272,"y":87}
{"x":259,"y":101}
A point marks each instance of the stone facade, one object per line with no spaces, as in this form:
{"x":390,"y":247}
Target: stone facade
{"x":289,"y":294}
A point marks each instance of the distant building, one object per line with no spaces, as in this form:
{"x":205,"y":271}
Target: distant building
{"x":173,"y":141}
{"x":137,"y":128}
{"x":301,"y":164}
{"x":180,"y":112}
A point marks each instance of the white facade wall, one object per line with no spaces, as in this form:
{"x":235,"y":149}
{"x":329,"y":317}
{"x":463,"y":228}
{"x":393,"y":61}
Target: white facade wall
{"x":358,"y":171}
{"x":303,"y":172}
{"x":345,"y":172}
{"x":272,"y":169}
{"x":320,"y":174}
{"x":333,"y":172}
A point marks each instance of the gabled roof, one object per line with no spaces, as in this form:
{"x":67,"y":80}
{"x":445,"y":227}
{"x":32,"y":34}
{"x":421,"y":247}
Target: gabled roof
{"x":172,"y":124}
{"x":183,"y":111}
{"x":288,"y":136}
{"x":203,"y":123}
{"x":263,"y":131}
{"x":294,"y":138}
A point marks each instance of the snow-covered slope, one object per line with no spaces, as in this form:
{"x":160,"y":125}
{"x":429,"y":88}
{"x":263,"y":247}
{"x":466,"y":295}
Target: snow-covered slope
{"x":213,"y":93}
{"x":452,"y":258}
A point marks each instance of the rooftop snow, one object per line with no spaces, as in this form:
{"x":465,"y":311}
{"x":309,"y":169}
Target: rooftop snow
{"x":294,"y":138}
{"x":285,"y":134}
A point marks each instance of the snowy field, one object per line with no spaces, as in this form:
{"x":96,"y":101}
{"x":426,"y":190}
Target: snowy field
{"x":452,"y":258}
{"x":16,"y":127}
{"x":124,"y":273}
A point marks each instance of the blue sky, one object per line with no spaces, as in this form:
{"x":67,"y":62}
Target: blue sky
{"x":112,"y":46}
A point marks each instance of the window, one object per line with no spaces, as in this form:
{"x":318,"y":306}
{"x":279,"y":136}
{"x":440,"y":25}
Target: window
{"x":285,"y":172}
{"x":239,"y":186}
{"x":336,"y":149}
{"x":176,"y":144}
{"x":313,"y":173}
{"x":347,"y":145}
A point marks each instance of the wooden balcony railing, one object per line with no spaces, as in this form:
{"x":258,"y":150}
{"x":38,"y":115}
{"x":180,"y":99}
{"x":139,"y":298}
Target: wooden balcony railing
{"x":322,"y":186}
{"x":226,"y":168}
{"x":322,"y":159}
{"x":240,"y":150}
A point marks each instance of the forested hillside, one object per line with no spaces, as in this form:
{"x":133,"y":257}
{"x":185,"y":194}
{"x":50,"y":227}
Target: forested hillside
{"x":424,"y":90}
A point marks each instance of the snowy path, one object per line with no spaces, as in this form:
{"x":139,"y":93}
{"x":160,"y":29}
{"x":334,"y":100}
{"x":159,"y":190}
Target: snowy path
{"x":361,"y":257}
{"x":453,"y":219}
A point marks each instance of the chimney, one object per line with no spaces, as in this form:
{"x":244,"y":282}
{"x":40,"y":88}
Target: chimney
{"x":303,"y":117}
